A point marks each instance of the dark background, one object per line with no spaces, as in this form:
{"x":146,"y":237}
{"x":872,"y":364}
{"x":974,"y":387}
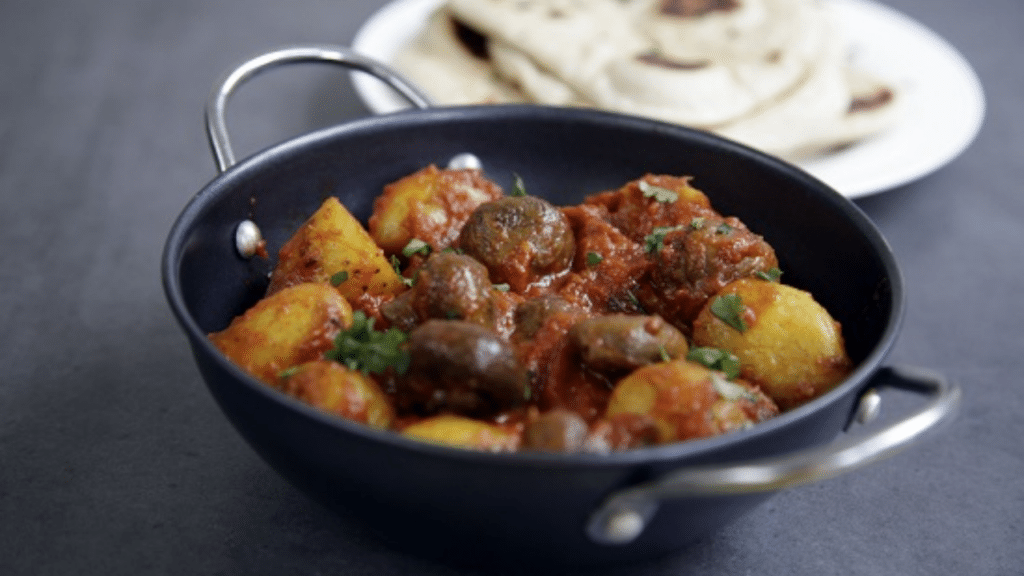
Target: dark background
{"x":114,"y":458}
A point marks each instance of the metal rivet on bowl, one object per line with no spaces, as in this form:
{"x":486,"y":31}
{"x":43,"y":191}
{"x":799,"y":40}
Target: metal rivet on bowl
{"x":247,"y":238}
{"x":465,"y":161}
{"x":624,"y":525}
{"x":869,"y":408}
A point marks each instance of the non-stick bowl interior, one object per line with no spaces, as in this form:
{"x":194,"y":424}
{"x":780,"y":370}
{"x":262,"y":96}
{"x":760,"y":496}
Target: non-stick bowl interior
{"x":824,"y":243}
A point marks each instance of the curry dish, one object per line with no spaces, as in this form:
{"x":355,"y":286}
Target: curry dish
{"x":472,"y":316}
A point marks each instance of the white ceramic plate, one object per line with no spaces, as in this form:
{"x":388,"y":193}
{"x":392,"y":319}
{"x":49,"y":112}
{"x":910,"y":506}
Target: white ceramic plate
{"x":944,"y":101}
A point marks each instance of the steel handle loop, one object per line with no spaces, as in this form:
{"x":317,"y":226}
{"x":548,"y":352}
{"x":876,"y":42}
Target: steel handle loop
{"x":216,"y":126}
{"x":623,"y":516}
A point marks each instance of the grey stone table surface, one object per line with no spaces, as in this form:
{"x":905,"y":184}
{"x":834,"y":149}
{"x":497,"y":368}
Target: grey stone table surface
{"x":114,"y":459}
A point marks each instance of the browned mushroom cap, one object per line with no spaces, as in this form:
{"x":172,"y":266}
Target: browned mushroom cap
{"x":460,"y":367}
{"x":557,"y":430}
{"x":531,"y":314}
{"x":694,"y":261}
{"x":622,"y":341}
{"x":451,"y":286}
{"x":521,"y":240}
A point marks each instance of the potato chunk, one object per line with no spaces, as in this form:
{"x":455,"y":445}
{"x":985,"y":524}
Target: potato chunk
{"x":463,"y":432}
{"x":290,"y":327}
{"x":332,"y":246}
{"x":429,"y":205}
{"x":789,"y":345}
{"x":687,"y":401}
{"x":333,"y":388}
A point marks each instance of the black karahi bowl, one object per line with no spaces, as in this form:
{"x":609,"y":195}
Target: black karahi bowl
{"x":541,"y":509}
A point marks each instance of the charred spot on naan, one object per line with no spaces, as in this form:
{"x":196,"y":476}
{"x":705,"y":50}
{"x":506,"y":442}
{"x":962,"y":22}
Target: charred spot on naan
{"x":472,"y":40}
{"x":881,"y":97}
{"x":696,"y":8}
{"x":655,"y":58}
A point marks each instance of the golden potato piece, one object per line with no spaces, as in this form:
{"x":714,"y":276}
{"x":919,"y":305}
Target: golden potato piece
{"x":463,"y":432}
{"x":332,"y":246}
{"x":430,"y":205}
{"x":791,"y":347}
{"x":333,"y":388}
{"x":687,"y":401}
{"x":295,"y":325}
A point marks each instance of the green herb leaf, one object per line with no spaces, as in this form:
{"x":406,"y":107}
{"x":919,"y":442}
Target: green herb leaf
{"x":360,"y":347}
{"x":635,"y":302}
{"x":288,"y":372}
{"x":659,"y":193}
{"x":697,"y":223}
{"x":723,"y":229}
{"x":339,"y":277}
{"x":729,"y":309}
{"x":518,"y":188}
{"x":716,"y":359}
{"x":654,"y":241}
{"x":772,"y":275}
{"x":593,"y":258}
{"x":416,"y":246}
{"x":397,"y":265}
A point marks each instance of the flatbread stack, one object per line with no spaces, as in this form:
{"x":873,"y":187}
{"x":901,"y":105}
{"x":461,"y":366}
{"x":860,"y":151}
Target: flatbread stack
{"x":773,"y":74}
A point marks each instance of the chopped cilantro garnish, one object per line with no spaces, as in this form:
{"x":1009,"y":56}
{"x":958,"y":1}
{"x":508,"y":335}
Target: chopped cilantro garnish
{"x":339,"y":277}
{"x":664,"y":354}
{"x":360,"y":347}
{"x":397,"y":265}
{"x":518,"y":187}
{"x":716,"y":359}
{"x":288,"y":372}
{"x":772,"y":275}
{"x":416,"y":246}
{"x":654,"y":241}
{"x":635,"y":302}
{"x":729,"y":309}
{"x":659,"y":193}
{"x":593,"y":258}
{"x":723,"y":229}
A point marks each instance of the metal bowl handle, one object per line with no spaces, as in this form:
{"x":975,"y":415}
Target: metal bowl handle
{"x":624,"y":514}
{"x":216,"y":127}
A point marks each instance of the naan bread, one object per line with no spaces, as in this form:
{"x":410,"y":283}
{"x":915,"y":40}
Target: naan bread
{"x":770,"y":73}
{"x":441,"y":64}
